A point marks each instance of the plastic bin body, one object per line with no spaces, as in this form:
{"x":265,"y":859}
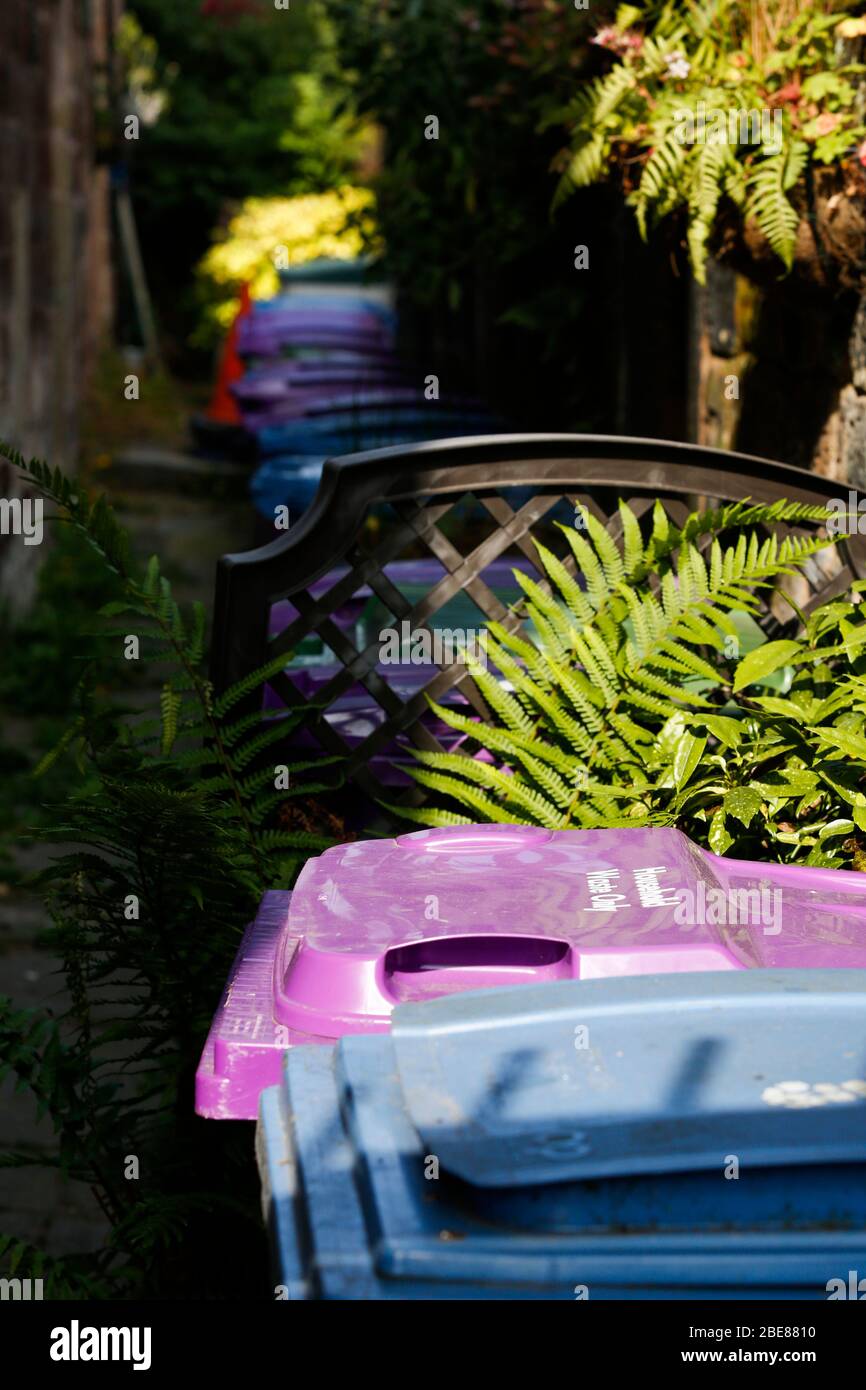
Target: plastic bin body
{"x":363,"y":616}
{"x":335,"y":399}
{"x":289,"y":481}
{"x":347,"y":431}
{"x":377,"y":923}
{"x":374,"y":402}
{"x":478,"y":1152}
{"x":279,"y":383}
{"x":292,"y":479}
{"x":267,"y":335}
{"x":355,"y":715}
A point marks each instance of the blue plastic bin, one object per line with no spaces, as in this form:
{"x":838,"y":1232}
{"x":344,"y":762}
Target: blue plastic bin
{"x":292,"y":479}
{"x":662,"y":1137}
{"x":347,"y":431}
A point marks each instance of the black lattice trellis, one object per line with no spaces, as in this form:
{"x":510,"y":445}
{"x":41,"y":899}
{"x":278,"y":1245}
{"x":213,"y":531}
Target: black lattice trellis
{"x":413,"y":493}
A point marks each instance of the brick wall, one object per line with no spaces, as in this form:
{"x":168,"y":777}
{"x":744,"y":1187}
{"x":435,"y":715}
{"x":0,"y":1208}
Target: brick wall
{"x":55,"y":272}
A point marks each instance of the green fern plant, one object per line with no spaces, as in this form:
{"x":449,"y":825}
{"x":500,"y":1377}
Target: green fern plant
{"x":673,"y":64}
{"x":625,"y":695}
{"x":169,"y":833}
{"x":194,"y":729}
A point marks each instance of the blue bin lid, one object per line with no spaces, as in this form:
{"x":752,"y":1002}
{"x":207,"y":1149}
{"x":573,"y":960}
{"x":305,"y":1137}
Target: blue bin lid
{"x":641,"y":1075}
{"x":692,"y":1134}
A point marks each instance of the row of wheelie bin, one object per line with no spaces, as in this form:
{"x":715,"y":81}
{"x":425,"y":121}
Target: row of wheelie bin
{"x":507,"y":1062}
{"x":323,"y":377}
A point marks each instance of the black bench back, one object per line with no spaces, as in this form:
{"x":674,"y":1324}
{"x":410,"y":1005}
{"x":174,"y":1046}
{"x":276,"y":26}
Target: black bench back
{"x":465,"y":503}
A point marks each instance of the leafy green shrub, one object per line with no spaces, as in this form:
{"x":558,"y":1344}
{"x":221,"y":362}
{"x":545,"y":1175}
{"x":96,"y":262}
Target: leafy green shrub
{"x":653,"y":115}
{"x":644,"y":695}
{"x":235,"y":104}
{"x":465,"y":218}
{"x":486,"y":71}
{"x":167,"y":844}
{"x":44,"y":652}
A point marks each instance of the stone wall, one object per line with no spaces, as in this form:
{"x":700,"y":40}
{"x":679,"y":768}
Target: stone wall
{"x":55,"y":267}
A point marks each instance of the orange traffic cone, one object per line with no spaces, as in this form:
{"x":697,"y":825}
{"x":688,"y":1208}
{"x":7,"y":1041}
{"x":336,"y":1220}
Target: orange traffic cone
{"x":223,"y":407}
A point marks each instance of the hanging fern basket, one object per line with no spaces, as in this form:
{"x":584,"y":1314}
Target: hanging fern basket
{"x":830,"y":243}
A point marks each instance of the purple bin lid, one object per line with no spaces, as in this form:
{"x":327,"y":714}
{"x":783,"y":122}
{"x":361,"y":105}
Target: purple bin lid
{"x":381,"y":922}
{"x":268,"y":332}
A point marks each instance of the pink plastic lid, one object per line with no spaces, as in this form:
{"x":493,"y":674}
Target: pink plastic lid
{"x":381,"y":922}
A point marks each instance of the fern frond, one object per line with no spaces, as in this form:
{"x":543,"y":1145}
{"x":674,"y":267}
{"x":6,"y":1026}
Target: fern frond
{"x":661,"y":173}
{"x":249,"y":684}
{"x":584,"y":168}
{"x":707,"y":171}
{"x":767,"y":202}
{"x":243,"y":754}
{"x":565,"y":583}
{"x":589,"y":565}
{"x":428,"y":815}
{"x":468,"y":796}
{"x":170,"y":705}
{"x":632,"y":540}
{"x":510,"y":787}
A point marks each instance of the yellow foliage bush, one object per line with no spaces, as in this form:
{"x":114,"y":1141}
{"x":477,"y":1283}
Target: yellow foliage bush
{"x":268,"y":232}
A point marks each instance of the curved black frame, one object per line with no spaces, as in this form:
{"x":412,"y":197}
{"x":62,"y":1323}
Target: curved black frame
{"x":249,"y":582}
